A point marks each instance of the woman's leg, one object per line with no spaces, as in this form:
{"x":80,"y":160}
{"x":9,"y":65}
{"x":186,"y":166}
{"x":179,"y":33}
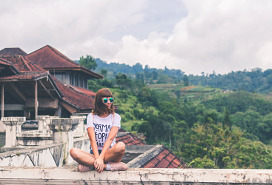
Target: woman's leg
{"x":115,"y":153}
{"x":82,"y":157}
{"x":113,"y":158}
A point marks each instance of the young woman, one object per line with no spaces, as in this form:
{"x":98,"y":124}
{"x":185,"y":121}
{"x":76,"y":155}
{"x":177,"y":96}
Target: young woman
{"x":102,"y":127}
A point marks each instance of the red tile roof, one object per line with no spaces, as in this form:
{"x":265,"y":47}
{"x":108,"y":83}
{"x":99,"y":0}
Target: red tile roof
{"x":32,"y":75}
{"x":159,"y":157}
{"x":7,"y":68}
{"x":22,"y":64}
{"x":48,"y":57}
{"x":83,"y":90}
{"x":74,"y":98}
{"x":130,"y":139}
{"x":165,"y":159}
{"x":5,"y":62}
{"x":19,"y":68}
{"x":12,"y":51}
{"x":51,"y":59}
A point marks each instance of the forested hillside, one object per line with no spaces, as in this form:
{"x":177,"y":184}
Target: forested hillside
{"x":255,"y":80}
{"x":207,"y":127}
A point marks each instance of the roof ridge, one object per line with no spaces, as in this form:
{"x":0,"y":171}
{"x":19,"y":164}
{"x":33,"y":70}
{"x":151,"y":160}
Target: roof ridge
{"x":39,"y":75}
{"x":67,"y":62}
{"x":25,"y":63}
{"x":37,"y":50}
{"x":69,"y":86}
{"x":145,"y":157}
{"x":11,"y":64}
{"x":37,"y":66}
{"x":4,"y":60}
{"x":66,"y":58}
{"x":17,"y":50}
{"x":62,"y":55}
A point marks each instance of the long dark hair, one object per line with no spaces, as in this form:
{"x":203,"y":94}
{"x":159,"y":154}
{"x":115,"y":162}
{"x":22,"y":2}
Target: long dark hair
{"x":100,"y":108}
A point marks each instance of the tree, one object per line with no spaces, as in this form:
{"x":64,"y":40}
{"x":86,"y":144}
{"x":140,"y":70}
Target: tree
{"x":138,"y":68}
{"x":226,"y":119}
{"x":88,"y":62}
{"x":104,"y":72}
{"x":122,"y":80}
{"x":185,"y":80}
{"x":215,"y":147}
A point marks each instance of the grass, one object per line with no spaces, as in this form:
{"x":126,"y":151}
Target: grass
{"x":128,"y":124}
{"x":186,"y":92}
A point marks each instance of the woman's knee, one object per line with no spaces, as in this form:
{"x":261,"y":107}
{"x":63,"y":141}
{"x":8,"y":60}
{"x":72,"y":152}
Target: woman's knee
{"x":74,"y":152}
{"x":120,"y":147}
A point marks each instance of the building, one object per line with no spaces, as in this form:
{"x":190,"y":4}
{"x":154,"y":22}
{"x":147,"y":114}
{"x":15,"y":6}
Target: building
{"x":64,"y":69}
{"x":44,"y":82}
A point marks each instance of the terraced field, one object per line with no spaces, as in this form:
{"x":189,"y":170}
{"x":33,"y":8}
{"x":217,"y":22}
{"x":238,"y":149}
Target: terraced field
{"x":186,"y":92}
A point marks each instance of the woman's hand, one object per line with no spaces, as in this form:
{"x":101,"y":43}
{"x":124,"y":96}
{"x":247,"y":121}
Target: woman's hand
{"x":99,"y":164}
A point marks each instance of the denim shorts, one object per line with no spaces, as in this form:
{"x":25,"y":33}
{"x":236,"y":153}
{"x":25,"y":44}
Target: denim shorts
{"x":99,"y":151}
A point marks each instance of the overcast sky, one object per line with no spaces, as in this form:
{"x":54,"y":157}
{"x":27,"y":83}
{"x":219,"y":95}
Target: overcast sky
{"x":192,"y":35}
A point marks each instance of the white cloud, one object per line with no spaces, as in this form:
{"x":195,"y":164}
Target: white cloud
{"x":32,"y":24}
{"x":192,"y":35}
{"x":217,"y":35}
{"x":264,"y":55}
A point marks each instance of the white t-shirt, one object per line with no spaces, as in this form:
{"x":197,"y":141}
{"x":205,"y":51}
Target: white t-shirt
{"x":102,"y":127}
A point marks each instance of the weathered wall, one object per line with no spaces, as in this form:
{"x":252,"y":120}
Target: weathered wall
{"x":2,"y":127}
{"x":148,"y":176}
{"x":40,"y":156}
{"x":2,"y":139}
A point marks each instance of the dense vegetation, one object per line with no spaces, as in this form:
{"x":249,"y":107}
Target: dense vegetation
{"x":206,"y":127}
{"x":255,"y":80}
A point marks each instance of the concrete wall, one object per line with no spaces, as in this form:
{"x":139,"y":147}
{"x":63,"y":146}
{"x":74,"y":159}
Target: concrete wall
{"x":2,"y":127}
{"x":51,"y":155}
{"x":2,"y":139}
{"x":148,"y":176}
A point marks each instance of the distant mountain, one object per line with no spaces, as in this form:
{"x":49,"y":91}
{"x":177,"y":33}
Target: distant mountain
{"x":255,"y":80}
{"x":115,"y":67}
{"x":135,"y":69}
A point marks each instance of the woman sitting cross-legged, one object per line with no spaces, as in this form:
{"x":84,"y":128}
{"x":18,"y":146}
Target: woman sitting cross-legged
{"x":102,"y":127}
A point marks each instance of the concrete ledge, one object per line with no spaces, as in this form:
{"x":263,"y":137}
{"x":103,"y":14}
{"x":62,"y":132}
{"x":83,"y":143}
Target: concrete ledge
{"x":69,"y":175}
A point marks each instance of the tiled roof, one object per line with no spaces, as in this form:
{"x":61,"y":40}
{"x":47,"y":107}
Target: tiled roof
{"x":74,"y":98}
{"x":33,"y":75}
{"x":5,"y":62}
{"x":19,"y":68}
{"x":164,"y":159}
{"x":83,"y":90}
{"x":12,"y":51}
{"x":48,"y":57}
{"x":157,"y":157}
{"x":51,"y":59}
{"x":22,"y":64}
{"x":7,"y":68}
{"x":129,"y":139}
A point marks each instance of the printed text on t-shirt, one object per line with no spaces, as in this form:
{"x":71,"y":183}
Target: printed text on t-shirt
{"x":101,"y":133}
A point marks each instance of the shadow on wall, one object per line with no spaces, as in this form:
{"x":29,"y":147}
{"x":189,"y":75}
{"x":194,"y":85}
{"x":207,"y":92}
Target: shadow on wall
{"x":2,"y":139}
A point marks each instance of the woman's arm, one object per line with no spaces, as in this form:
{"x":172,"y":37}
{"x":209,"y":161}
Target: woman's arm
{"x":112,"y":135}
{"x":99,"y":162}
{"x":91,"y":135}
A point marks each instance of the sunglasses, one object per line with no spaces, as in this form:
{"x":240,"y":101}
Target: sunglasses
{"x":105,"y":100}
